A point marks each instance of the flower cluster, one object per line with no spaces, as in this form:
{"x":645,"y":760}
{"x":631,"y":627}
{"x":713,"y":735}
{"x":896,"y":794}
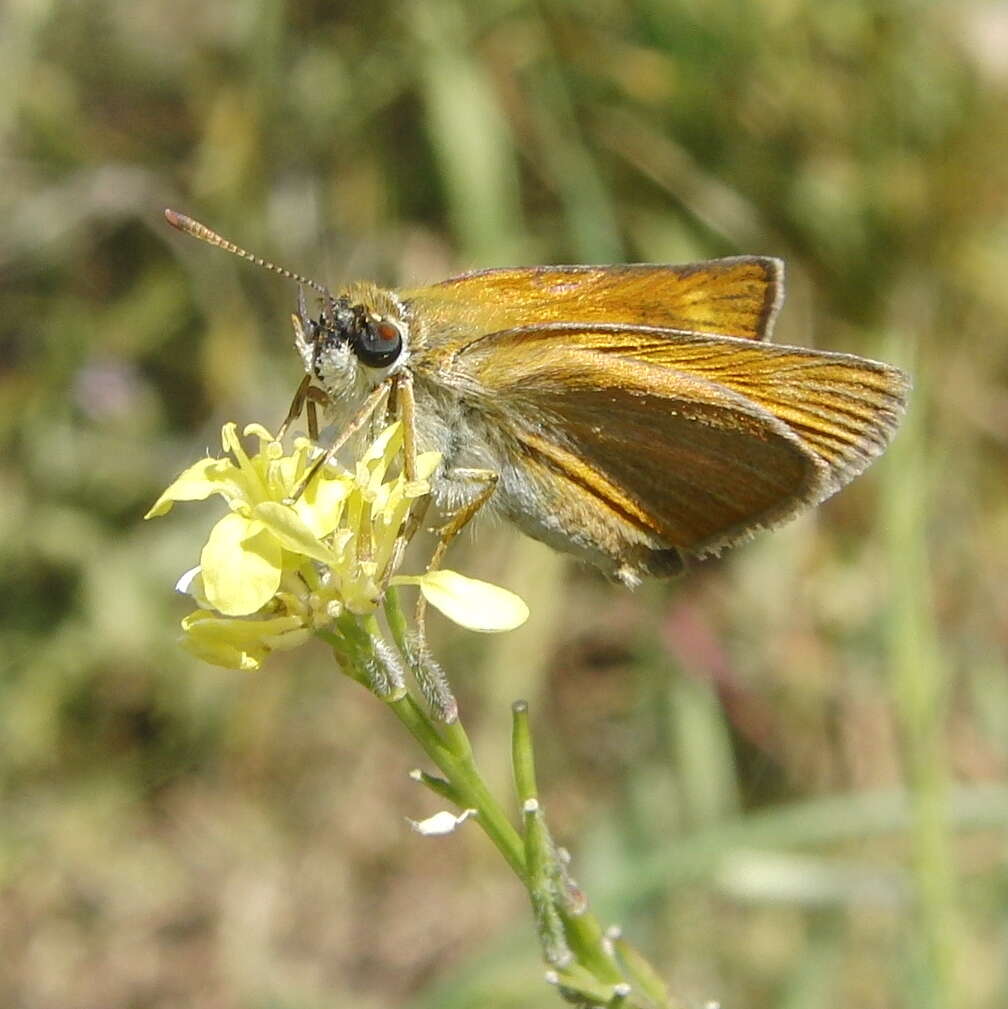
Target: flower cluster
{"x":292,"y":555}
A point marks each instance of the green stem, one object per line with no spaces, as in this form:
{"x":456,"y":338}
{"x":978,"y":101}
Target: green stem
{"x":396,"y":620}
{"x":587,"y":939}
{"x":462,"y":774}
{"x":547,"y":880}
{"x":438,"y":786}
{"x":449,"y":747}
{"x":522,"y":759}
{"x":530,"y":854}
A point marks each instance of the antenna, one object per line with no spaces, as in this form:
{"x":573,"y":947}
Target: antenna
{"x":205,"y":234}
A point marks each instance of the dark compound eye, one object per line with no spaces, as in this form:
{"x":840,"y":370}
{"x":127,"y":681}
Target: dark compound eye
{"x":377,"y":344}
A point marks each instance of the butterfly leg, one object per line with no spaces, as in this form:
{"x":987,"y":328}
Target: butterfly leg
{"x":486,"y":480}
{"x":306,"y":399}
{"x":429,"y":675}
{"x":405,"y":406}
{"x":307,"y":396}
{"x":297,"y":405}
{"x":375,"y":399}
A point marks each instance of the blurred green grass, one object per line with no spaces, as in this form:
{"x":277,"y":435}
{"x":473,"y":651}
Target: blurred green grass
{"x":784,"y":774}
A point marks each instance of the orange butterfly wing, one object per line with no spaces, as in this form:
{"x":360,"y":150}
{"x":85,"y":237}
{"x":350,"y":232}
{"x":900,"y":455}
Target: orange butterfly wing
{"x":698,"y":440}
{"x":738,"y":297}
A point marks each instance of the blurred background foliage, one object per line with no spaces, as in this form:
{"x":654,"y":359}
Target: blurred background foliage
{"x":783,"y":774}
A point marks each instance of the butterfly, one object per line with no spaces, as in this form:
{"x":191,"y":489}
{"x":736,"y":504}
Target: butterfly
{"x":634,"y":416}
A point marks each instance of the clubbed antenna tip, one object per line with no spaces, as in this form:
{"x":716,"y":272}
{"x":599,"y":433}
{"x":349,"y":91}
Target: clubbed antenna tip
{"x":177,"y":220}
{"x":205,"y":234}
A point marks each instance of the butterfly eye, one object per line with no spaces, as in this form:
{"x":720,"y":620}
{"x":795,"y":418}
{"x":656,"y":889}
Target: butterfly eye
{"x":377,"y":344}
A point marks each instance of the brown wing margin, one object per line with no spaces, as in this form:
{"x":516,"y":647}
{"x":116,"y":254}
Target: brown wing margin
{"x":738,"y":296}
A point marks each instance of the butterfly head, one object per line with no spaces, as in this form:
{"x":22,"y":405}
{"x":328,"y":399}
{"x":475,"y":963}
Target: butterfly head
{"x":356,"y":341}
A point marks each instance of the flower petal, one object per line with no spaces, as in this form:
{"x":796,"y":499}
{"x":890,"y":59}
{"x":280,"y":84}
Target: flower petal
{"x":321,"y":504}
{"x":426,"y":463}
{"x":185,"y":582}
{"x":223,"y":653}
{"x":197,"y":483}
{"x":239,"y":644}
{"x":441,"y":823}
{"x":290,"y":530}
{"x":385,"y":446}
{"x":471,"y":603}
{"x":416,"y":488}
{"x":241,"y":566}
{"x":252,"y":470}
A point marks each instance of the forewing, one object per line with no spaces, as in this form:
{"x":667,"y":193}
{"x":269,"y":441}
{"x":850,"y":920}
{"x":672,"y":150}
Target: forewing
{"x":730,"y":297}
{"x":699,"y":440}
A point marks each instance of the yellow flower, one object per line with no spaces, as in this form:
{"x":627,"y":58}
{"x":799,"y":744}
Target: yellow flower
{"x":288,"y":560}
{"x":243,"y":560}
{"x":477,"y":605}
